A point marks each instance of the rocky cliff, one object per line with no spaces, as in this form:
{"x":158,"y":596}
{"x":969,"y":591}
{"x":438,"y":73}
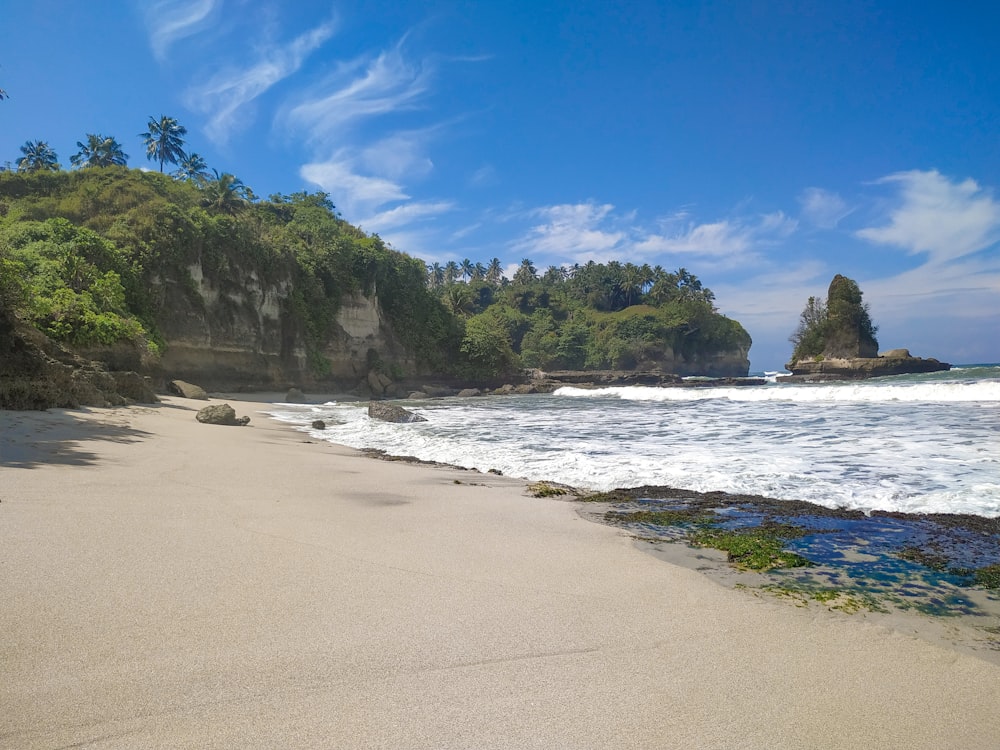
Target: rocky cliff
{"x":243,"y":333}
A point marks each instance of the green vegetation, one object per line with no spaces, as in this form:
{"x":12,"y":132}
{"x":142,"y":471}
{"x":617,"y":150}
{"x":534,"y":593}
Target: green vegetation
{"x":545,"y":489}
{"x":103,"y":254}
{"x":757,"y":548}
{"x":840,"y":327}
{"x":594,"y":316}
{"x":988,"y":576}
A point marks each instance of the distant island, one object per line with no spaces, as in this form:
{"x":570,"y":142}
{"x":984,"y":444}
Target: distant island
{"x":106,"y":270}
{"x":836,"y":340}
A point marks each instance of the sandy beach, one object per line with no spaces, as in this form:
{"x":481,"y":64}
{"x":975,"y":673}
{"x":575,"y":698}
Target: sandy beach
{"x":168,"y":584}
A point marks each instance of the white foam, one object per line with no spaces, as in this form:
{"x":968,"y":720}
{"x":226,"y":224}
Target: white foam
{"x":847,"y":393}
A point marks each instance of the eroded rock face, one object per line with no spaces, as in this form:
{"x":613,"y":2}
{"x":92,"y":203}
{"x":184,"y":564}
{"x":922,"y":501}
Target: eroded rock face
{"x":392,"y":413}
{"x":222,"y":414}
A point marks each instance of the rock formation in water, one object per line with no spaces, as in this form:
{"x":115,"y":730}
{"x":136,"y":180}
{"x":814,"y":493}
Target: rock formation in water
{"x":836,"y":341}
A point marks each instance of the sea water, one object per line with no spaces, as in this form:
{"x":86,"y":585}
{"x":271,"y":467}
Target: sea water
{"x":920,"y":444}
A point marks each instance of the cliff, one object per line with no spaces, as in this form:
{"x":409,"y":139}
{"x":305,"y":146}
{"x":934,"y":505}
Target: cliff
{"x":247,"y":335}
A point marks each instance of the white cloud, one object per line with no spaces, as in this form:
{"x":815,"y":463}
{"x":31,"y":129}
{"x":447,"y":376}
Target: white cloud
{"x":360,"y":89}
{"x":351,"y":191}
{"x":398,"y":156}
{"x":171,"y":20}
{"x":934,"y":215}
{"x":226,"y":95}
{"x":571,"y":230}
{"x":732,"y":239}
{"x":405,"y":214}
{"x":823,"y":208}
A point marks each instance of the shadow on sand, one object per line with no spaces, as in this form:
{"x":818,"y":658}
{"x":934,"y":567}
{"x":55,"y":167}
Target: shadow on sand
{"x":32,"y":439}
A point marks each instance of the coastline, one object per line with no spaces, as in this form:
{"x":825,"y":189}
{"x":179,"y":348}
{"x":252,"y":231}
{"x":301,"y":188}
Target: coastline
{"x":177,"y":584}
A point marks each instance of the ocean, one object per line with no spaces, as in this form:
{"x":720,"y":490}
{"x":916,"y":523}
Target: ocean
{"x":918,"y":443}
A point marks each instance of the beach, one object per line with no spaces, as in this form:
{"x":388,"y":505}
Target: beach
{"x":170,"y":584}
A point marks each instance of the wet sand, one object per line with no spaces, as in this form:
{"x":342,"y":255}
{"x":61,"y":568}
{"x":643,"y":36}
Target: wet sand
{"x":170,"y":584}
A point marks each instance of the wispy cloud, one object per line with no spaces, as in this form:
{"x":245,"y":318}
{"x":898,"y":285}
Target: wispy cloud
{"x":171,"y":20}
{"x":405,"y":215}
{"x":823,"y":208}
{"x":352,"y":191}
{"x":358,"y":90}
{"x":226,"y":96}
{"x":731,"y":241}
{"x":572,"y":230}
{"x":934,"y":215}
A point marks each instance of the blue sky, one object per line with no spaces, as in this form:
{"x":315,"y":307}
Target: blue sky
{"x":764,"y":146}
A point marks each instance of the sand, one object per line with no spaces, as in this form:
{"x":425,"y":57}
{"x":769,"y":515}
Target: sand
{"x":168,"y":584}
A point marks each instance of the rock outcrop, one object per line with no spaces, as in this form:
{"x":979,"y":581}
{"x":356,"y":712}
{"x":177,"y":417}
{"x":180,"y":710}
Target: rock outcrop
{"x":392,"y":413}
{"x":892,"y":362}
{"x":38,"y":373}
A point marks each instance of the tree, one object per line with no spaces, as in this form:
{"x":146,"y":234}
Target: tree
{"x":98,"y":151}
{"x":840,"y":328}
{"x":467,"y":268}
{"x":810,"y":334}
{"x":164,"y":141}
{"x":38,"y":157}
{"x":435,"y":274}
{"x":226,"y":193}
{"x":192,"y":167}
{"x":451,"y":272}
{"x":525,"y":273}
{"x":494,"y":272}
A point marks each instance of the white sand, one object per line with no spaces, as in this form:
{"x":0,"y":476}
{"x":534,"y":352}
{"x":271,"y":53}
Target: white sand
{"x":167,"y":584}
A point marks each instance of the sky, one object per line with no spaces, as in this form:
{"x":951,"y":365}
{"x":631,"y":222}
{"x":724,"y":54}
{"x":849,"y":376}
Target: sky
{"x":765,"y":146}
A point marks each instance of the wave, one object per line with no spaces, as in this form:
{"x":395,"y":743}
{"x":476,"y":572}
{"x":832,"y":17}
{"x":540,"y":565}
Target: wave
{"x":982,"y":391}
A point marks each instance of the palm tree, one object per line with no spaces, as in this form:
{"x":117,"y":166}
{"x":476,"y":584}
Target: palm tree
{"x":467,"y":268}
{"x":38,"y":157}
{"x":435,"y":275}
{"x":226,"y":193}
{"x":98,"y":151}
{"x":451,"y":272}
{"x":192,"y":167}
{"x":494,"y":272}
{"x":458,"y":299}
{"x":163,"y":140}
{"x":526,"y":272}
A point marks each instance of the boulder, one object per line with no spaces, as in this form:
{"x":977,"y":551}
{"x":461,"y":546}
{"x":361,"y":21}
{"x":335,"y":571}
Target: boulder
{"x":221,"y":414}
{"x":186,"y":390}
{"x":392,"y":413}
{"x":896,"y":354}
{"x":295,"y":396}
{"x":417,"y":395}
{"x":469,"y":392}
{"x":318,"y":424}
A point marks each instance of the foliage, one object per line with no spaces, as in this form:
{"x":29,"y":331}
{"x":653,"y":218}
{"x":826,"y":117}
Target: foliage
{"x":142,"y":233}
{"x":98,"y":151}
{"x":37,"y":155}
{"x":842,"y":327}
{"x":71,"y":282}
{"x":164,"y":140}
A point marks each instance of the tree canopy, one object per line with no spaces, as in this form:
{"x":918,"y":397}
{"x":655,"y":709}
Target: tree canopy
{"x":164,"y":140}
{"x":840,"y":328}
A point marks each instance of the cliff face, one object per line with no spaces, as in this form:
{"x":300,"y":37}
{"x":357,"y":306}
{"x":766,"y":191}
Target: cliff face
{"x":243,"y":333}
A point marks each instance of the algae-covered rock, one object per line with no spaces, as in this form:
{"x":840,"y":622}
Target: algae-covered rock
{"x":222,"y":414}
{"x":392,"y":413}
